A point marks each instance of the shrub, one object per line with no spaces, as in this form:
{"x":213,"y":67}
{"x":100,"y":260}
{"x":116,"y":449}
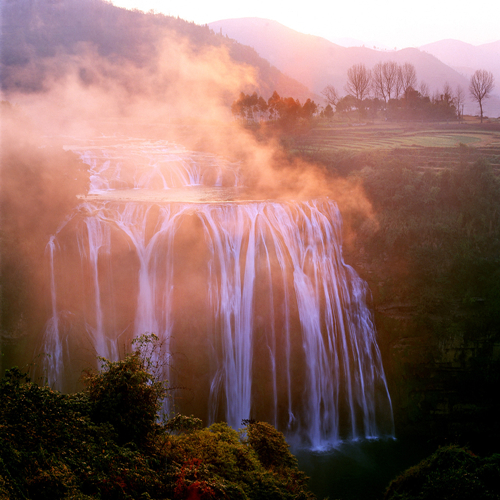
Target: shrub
{"x":127,"y":395}
{"x":50,"y":448}
{"x":217,"y":463}
{"x":270,"y":445}
{"x":97,"y":444}
{"x":451,"y":473}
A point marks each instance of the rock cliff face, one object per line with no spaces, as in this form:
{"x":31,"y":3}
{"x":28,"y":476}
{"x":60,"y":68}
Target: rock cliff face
{"x":429,"y":254}
{"x":40,"y":183}
{"x":443,"y":386}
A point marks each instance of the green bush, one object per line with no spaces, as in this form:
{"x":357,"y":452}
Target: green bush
{"x":270,"y":445}
{"x":51,"y":448}
{"x":217,"y":463}
{"x":126,"y":396}
{"x":106,"y":443}
{"x":451,"y":473}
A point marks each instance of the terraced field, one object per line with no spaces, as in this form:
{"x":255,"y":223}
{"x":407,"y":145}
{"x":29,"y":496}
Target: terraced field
{"x":429,"y":146}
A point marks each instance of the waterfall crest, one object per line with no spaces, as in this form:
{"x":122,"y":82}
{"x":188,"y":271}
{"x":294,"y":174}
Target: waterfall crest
{"x":260,"y":315}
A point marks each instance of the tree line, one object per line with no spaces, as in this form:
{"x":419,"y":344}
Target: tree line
{"x":394,"y":89}
{"x":285,"y":110}
{"x":388,"y":89}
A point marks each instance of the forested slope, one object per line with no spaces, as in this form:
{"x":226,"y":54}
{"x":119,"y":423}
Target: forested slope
{"x":40,"y":41}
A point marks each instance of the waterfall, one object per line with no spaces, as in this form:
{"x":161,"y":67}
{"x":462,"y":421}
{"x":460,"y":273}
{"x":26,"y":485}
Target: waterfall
{"x":259,"y":314}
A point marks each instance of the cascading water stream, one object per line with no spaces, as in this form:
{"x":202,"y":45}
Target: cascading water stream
{"x":52,"y":332}
{"x":258,"y":312}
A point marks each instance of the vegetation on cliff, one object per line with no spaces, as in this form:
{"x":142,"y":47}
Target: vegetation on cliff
{"x":429,"y":252}
{"x":107,"y":442}
{"x":451,"y":473}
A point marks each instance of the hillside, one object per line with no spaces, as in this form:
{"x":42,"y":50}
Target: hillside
{"x":466,"y":58}
{"x":316,"y":62}
{"x":44,"y":42}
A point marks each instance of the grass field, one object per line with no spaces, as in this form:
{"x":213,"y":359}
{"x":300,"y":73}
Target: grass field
{"x":436,"y":142}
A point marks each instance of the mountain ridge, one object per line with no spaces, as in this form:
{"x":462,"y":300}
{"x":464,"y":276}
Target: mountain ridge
{"x":317,"y":62}
{"x":41,"y":42}
{"x":465,"y":57}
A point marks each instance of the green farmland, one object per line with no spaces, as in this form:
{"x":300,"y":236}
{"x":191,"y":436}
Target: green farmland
{"x":432,"y":144}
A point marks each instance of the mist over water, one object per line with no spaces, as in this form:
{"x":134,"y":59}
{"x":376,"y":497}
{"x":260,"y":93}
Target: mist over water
{"x":258,"y":313}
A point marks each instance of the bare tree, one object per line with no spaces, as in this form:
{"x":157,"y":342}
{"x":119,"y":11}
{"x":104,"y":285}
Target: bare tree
{"x":399,"y":87}
{"x":459,"y":101}
{"x":358,"y":81}
{"x":424,"y":89}
{"x":390,"y":71}
{"x":378,"y":85}
{"x":389,"y":80}
{"x":480,"y":87}
{"x":408,"y":76}
{"x":331,"y":95}
{"x":447,"y":92}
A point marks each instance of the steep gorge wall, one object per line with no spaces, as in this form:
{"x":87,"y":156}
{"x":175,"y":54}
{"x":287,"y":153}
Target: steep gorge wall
{"x":433,"y":277}
{"x":39,"y":185}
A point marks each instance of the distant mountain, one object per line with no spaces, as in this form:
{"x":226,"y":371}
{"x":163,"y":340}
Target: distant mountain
{"x":354,"y":42}
{"x":304,"y":56}
{"x":317,"y":62}
{"x":492,"y":46}
{"x":467,"y":58}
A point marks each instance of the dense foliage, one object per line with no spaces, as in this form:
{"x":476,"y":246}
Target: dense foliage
{"x":106,"y":442}
{"x":445,"y":223}
{"x":451,"y":473}
{"x":126,"y":396}
{"x":411,"y":106}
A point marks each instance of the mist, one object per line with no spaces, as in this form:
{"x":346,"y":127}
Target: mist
{"x":116,"y":73}
{"x":77,"y":270}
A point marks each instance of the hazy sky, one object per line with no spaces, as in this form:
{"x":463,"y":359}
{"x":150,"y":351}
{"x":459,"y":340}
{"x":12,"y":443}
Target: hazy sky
{"x":394,"y":23}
